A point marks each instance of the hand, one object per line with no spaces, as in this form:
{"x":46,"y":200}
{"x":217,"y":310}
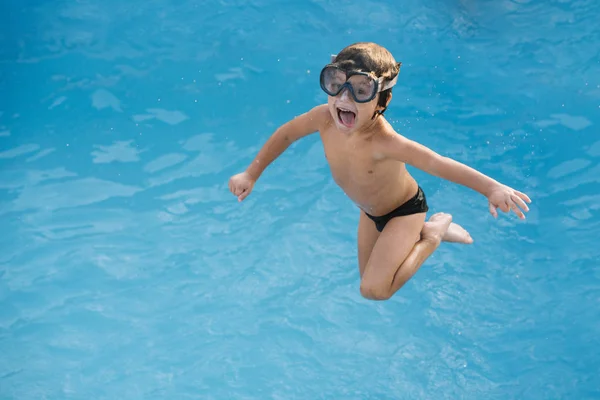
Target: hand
{"x":241,"y":185}
{"x":506,"y":199}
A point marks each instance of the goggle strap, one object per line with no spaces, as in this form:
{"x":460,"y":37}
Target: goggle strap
{"x":389,"y":84}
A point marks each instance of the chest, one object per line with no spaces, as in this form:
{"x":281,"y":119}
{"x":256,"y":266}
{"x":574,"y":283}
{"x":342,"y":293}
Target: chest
{"x":352,"y":161}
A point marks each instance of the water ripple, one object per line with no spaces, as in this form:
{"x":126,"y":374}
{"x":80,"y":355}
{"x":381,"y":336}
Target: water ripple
{"x":127,"y":269}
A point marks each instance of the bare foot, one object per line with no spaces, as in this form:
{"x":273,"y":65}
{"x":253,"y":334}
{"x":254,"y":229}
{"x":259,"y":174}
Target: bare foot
{"x":435,"y":229}
{"x":457,"y":234}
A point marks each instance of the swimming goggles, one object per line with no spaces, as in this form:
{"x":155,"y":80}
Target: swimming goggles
{"x":362,"y":85}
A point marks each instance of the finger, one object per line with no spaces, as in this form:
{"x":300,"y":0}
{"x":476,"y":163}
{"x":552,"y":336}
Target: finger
{"x":243,"y":195}
{"x":493,"y":211}
{"x":517,"y":211}
{"x":523,"y":196}
{"x":505,"y":207}
{"x":519,"y":202}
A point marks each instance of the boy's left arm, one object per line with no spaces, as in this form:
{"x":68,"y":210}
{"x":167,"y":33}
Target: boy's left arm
{"x":423,"y":158}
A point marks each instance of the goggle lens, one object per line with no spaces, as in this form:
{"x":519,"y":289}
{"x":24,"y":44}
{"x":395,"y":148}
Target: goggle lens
{"x":362,"y":87}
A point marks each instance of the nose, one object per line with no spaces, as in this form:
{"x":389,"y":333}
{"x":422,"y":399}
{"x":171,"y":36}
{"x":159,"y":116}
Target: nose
{"x":345,"y":95}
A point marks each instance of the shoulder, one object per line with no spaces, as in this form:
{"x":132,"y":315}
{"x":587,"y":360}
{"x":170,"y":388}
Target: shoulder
{"x":389,"y":143}
{"x":316,"y":117}
{"x":320,"y":109}
{"x":306,"y":123}
{"x":320,"y":114}
{"x":387,"y":136}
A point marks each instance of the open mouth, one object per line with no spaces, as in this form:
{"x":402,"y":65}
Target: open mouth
{"x":346,"y":117}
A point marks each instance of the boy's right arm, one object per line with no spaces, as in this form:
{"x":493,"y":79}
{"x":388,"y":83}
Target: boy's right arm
{"x":284,"y":136}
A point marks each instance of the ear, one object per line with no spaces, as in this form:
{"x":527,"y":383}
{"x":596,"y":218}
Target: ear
{"x":379,"y":109}
{"x":387,"y":103}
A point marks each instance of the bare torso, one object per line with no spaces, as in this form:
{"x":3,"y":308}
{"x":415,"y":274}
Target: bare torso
{"x":375,"y":184}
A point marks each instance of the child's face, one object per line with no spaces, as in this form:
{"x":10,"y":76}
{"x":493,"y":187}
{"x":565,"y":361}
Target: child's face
{"x":352,"y":96}
{"x":348,"y":114}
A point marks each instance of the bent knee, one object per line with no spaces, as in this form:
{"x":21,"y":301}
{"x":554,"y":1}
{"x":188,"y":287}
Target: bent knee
{"x":373,"y":291}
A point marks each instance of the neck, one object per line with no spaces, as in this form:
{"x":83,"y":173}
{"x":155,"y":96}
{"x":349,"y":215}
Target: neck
{"x":371,"y":128}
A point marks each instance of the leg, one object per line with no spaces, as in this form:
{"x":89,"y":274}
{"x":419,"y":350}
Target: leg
{"x":367,"y":236}
{"x":402,"y":247}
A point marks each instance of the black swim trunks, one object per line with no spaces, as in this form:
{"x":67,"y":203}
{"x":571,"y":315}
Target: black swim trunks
{"x":416,"y":205}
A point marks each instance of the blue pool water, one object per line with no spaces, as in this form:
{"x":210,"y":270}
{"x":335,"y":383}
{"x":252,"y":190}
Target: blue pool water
{"x":128,"y":271}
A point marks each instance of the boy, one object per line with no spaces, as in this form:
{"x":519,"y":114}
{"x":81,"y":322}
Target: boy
{"x":367,"y":160}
